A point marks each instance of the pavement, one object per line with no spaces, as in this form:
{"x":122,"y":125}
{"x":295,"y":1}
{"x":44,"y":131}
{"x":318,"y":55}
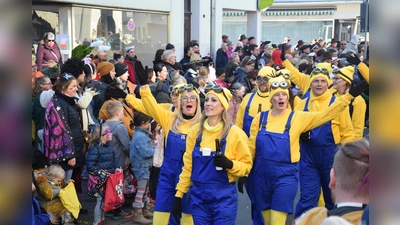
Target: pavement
{"x":87,"y":202}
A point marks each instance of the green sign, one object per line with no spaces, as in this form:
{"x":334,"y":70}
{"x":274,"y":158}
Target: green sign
{"x":262,"y":4}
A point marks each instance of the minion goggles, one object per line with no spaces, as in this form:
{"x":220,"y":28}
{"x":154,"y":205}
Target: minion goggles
{"x":217,"y":88}
{"x":181,"y":89}
{"x":282,"y":84}
{"x":284,"y":75}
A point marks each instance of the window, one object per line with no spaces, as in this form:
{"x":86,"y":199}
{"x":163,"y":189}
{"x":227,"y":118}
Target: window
{"x":119,"y":29}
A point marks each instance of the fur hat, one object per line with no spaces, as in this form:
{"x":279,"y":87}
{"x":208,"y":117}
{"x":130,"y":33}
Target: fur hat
{"x":104,"y":68}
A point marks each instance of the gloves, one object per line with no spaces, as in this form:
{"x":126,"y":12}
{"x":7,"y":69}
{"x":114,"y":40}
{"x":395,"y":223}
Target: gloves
{"x":282,"y":48}
{"x":177,"y":209}
{"x":242,"y":181}
{"x":356,"y":90}
{"x":222,"y":161}
{"x":353,"y":59}
{"x":91,"y":91}
{"x":305,"y":136}
{"x":114,"y":92}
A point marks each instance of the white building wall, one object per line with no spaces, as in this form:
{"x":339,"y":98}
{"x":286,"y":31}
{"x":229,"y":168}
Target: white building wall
{"x":176,"y":24}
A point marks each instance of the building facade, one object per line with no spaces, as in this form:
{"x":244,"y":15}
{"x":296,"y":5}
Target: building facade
{"x":151,"y":24}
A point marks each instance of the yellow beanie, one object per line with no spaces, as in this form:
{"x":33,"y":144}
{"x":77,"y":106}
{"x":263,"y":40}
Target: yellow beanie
{"x":346,"y":73}
{"x":273,"y":91}
{"x":224,"y":97}
{"x":284,"y":72}
{"x":325,"y":76}
{"x":267,"y":71}
{"x":104,"y":68}
{"x":327,"y":66}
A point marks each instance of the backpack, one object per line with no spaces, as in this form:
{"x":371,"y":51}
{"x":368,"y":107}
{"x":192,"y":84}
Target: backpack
{"x":38,"y":218}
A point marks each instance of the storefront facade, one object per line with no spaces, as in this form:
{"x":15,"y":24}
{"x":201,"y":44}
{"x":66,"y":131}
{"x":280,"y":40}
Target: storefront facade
{"x":147,"y":25}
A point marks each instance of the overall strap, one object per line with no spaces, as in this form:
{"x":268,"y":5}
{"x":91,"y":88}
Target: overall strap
{"x":287,"y":126}
{"x":198,"y":140}
{"x":332,"y":100}
{"x":351,"y":108}
{"x":330,"y":86}
{"x":249,"y":102}
{"x":306,"y":105}
{"x":263,"y":119}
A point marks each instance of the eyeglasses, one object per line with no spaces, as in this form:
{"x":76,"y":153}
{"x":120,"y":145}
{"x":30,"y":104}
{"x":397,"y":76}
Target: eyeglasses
{"x":336,"y":79}
{"x":343,"y":44}
{"x":50,"y":40}
{"x":318,"y":70}
{"x":215,"y":87}
{"x":181,"y":89}
{"x":262,"y":79}
{"x":284,"y":75}
{"x":282,"y":84}
{"x":186,"y":98}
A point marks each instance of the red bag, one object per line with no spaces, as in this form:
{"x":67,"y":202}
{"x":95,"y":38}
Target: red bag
{"x":114,"y":195}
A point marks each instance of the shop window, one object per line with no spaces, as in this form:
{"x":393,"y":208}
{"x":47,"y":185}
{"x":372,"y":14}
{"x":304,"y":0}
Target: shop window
{"x":119,"y":29}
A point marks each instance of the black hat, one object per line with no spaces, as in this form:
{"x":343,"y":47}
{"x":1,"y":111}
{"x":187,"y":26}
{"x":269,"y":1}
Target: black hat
{"x":300,"y":42}
{"x":169,"y":46}
{"x":238,"y":48}
{"x":274,"y":46}
{"x":266,"y":42}
{"x":120,"y":69}
{"x":250,"y":38}
{"x":242,"y":37}
{"x":304,"y":47}
{"x":325,"y":56}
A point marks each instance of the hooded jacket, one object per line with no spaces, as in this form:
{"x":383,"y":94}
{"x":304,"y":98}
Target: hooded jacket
{"x":137,"y":74}
{"x":46,"y":53}
{"x":120,"y":142}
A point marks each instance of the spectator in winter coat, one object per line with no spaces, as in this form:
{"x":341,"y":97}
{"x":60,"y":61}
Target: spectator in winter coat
{"x":137,"y":74}
{"x":222,"y":57}
{"x":48,"y":50}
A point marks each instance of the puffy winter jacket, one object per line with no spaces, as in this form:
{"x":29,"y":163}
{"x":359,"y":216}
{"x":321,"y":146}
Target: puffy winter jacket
{"x":101,"y":157}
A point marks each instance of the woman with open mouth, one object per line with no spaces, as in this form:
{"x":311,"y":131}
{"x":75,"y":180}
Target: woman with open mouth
{"x":176,"y":126}
{"x":274,"y":145}
{"x":216,"y":156}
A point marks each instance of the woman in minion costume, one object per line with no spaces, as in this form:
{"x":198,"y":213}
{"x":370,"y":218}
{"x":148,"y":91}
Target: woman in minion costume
{"x":176,"y":126}
{"x":274,"y":146}
{"x":342,"y":80}
{"x":213,"y":193}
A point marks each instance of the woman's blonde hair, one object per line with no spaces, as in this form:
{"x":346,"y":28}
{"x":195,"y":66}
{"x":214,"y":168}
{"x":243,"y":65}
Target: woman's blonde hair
{"x":226,"y":120}
{"x":96,"y":135}
{"x":179,"y":117}
{"x":55,"y":171}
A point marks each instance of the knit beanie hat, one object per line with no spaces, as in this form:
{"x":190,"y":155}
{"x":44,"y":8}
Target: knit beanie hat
{"x":120,"y":69}
{"x":326,"y":66}
{"x":104,"y":68}
{"x":274,"y":86}
{"x":224,"y":97}
{"x":267,"y":71}
{"x":346,"y":73}
{"x":276,"y":56}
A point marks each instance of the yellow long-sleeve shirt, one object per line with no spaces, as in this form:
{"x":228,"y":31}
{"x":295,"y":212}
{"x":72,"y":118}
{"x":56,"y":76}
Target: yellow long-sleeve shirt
{"x":138,"y":105}
{"x":259,"y":98}
{"x":342,"y":128}
{"x":301,"y":122}
{"x":160,"y":115}
{"x":364,"y":70}
{"x":236,"y":149}
{"x":300,"y":79}
{"x":358,"y":116}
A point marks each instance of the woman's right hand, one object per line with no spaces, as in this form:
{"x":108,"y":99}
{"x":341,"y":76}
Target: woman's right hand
{"x":144,"y":87}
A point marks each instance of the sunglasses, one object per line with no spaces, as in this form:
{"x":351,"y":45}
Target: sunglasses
{"x":262,"y":79}
{"x":50,"y":40}
{"x":318,"y":70}
{"x":282,"y":84}
{"x":284,"y":75}
{"x":181,"y":89}
{"x":192,"y":98}
{"x":216,"y":88}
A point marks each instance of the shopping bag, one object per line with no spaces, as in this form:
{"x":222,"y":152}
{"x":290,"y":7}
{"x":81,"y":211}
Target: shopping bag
{"x":153,"y":181}
{"x":70,"y":200}
{"x":38,"y":218}
{"x":114,"y":195}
